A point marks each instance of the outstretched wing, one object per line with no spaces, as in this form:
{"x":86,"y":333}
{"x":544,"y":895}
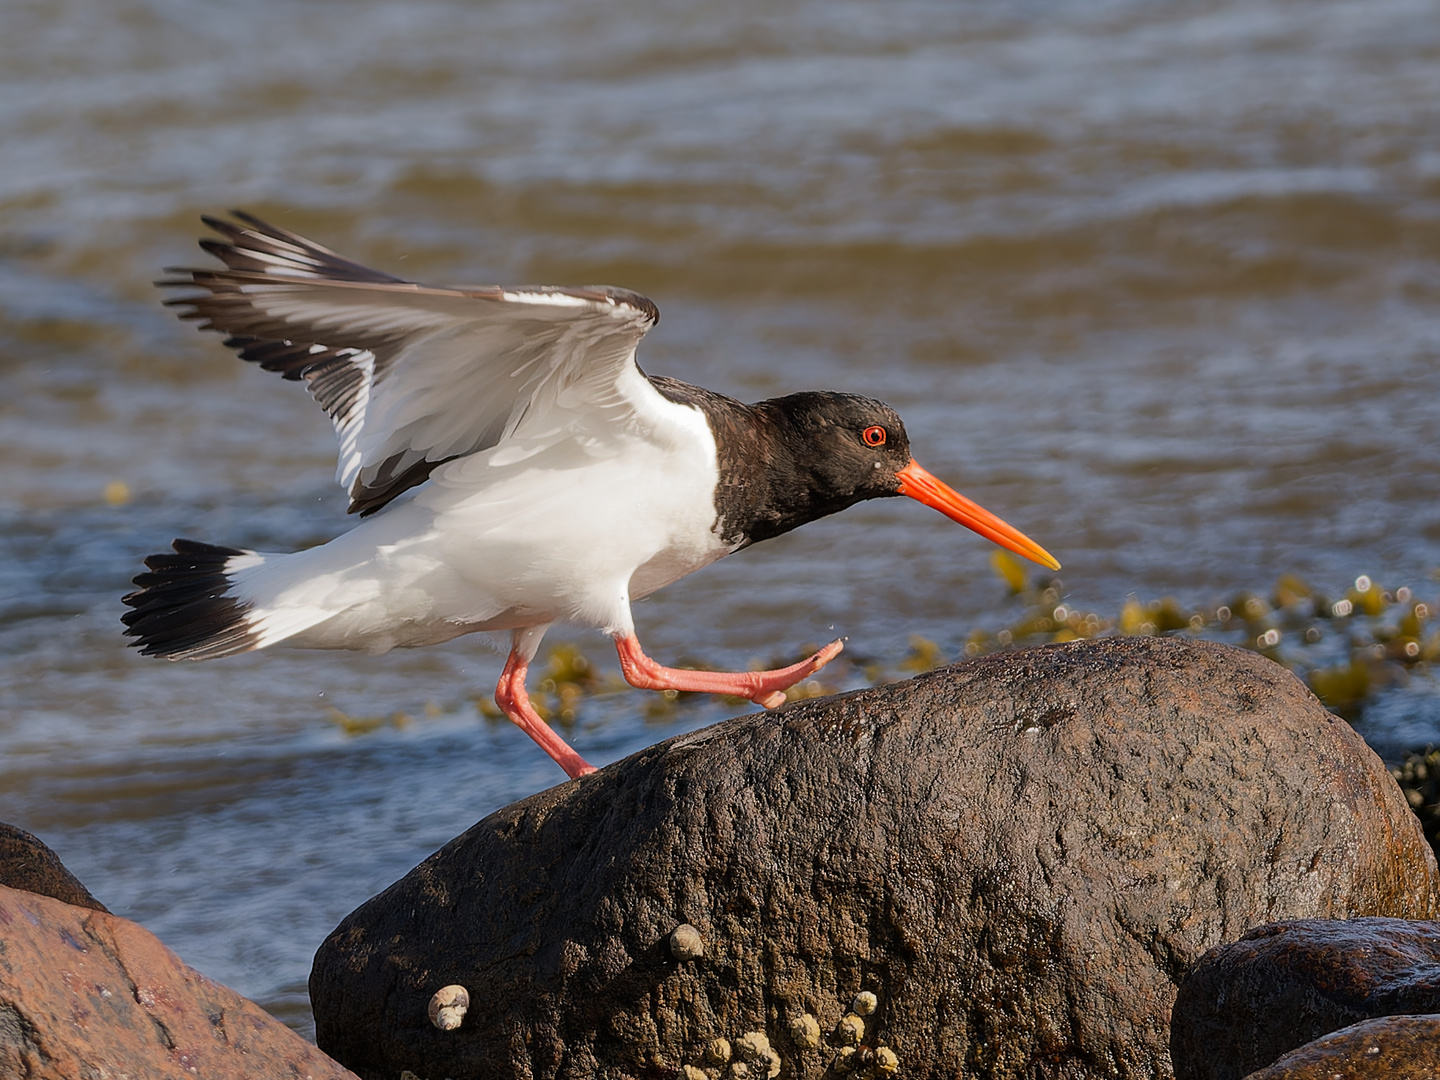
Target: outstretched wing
{"x":410,"y":375}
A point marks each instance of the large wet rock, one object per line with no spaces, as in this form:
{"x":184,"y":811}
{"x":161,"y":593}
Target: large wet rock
{"x":1279,"y":987}
{"x":86,"y":995}
{"x":1388,"y":1048}
{"x":1020,"y":856}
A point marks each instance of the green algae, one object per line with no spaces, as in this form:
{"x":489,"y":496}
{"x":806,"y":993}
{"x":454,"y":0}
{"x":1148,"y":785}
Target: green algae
{"x":1348,"y":647}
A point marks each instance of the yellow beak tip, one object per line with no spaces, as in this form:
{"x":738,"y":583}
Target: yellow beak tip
{"x":1043,"y":558}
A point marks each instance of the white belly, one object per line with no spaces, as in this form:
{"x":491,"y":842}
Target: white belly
{"x":547,"y":543}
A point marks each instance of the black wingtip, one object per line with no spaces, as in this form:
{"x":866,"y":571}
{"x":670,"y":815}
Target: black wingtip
{"x":183,"y":609}
{"x":251,"y":220}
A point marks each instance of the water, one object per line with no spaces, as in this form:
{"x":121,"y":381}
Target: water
{"x":1157,"y":283}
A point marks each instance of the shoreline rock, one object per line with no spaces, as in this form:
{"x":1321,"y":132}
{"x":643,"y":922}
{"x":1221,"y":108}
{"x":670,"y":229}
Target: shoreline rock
{"x":1248,"y":1003}
{"x":86,"y":994}
{"x":1418,"y":775}
{"x":1020,"y":856}
{"x":26,"y":863}
{"x":1385,"y":1048}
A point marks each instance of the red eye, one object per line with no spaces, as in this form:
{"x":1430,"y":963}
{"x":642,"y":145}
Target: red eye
{"x":874,"y":436}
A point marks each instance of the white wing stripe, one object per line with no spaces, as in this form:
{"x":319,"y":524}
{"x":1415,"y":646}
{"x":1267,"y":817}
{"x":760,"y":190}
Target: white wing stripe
{"x":349,"y":425}
{"x":558,"y":299}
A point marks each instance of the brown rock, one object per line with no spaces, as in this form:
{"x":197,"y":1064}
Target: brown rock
{"x":1283,"y":985}
{"x":84,"y":994}
{"x":1418,"y":775}
{"x":1020,"y":856}
{"x":1386,"y":1048}
{"x":26,"y":863}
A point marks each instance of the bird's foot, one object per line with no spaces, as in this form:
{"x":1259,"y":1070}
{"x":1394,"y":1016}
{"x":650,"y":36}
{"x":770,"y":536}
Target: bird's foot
{"x":765,"y":688}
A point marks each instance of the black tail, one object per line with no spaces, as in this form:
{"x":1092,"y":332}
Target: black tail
{"x":182,"y":610}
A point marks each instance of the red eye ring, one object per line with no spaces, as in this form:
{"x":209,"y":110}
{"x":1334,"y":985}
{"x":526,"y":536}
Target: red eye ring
{"x":874,"y":436}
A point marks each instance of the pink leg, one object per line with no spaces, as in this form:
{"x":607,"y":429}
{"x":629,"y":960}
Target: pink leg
{"x":514,"y":702}
{"x":762,"y":687}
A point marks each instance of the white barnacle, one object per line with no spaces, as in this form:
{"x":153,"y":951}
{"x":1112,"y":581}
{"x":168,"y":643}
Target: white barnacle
{"x":887,"y":1063}
{"x":690,"y":1072}
{"x":752,"y":1046}
{"x":448,"y":1006}
{"x":850,"y":1030}
{"x":805,"y":1031}
{"x":686,"y":943}
{"x":717,"y":1052}
{"x":845,"y":1059}
{"x":864,"y":1004}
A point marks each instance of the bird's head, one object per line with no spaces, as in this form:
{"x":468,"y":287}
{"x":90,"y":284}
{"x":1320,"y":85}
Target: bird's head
{"x":856,"y":448}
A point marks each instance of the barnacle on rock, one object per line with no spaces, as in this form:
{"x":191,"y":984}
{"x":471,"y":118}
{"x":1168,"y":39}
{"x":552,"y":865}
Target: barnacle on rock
{"x":887,"y":1062}
{"x":850,"y":1030}
{"x":448,"y":1006}
{"x":752,"y":1045}
{"x":864,"y":1004}
{"x":805,"y":1031}
{"x":686,"y":943}
{"x":717,"y":1051}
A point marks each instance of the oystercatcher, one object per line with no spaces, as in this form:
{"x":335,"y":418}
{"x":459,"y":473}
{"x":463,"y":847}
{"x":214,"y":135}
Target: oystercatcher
{"x":513,"y":467}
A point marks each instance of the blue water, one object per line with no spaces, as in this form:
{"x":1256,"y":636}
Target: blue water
{"x":1158,"y":284}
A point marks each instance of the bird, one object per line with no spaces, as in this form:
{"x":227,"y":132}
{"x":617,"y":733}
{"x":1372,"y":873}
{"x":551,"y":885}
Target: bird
{"x":512,"y":466}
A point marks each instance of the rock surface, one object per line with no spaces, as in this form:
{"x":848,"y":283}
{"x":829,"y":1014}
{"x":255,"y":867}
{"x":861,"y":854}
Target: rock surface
{"x":86,"y":995}
{"x":26,"y":863}
{"x":1021,"y":856}
{"x":1419,"y":778}
{"x":1387,"y":1048}
{"x":1281,"y":986}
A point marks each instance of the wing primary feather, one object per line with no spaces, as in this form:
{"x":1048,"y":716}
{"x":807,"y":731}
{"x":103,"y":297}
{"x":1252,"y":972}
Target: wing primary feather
{"x":271,"y":245}
{"x":410,"y":375}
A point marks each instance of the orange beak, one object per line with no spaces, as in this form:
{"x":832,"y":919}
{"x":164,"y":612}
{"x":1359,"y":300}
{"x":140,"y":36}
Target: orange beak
{"x":921,"y":486}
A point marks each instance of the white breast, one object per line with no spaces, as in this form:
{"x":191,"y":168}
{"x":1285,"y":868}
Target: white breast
{"x":578,"y":527}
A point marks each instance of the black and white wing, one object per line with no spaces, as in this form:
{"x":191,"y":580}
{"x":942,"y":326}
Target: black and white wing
{"x":410,"y":375}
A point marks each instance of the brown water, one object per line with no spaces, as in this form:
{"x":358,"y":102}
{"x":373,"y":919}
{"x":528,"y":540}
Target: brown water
{"x":1160,"y":284}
